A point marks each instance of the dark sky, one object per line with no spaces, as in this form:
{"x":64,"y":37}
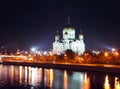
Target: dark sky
{"x":27,"y":23}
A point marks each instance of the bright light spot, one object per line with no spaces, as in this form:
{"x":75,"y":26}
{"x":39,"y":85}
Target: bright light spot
{"x":96,"y":52}
{"x":65,"y":55}
{"x":106,"y":83}
{"x":113,"y":49}
{"x":29,"y":55}
{"x":33,"y":49}
{"x":26,"y":52}
{"x":106,"y":54}
{"x":116,"y":53}
{"x":30,"y":58}
{"x":80,"y":59}
{"x":50,"y":53}
{"x":38,"y":52}
{"x":45,"y":53}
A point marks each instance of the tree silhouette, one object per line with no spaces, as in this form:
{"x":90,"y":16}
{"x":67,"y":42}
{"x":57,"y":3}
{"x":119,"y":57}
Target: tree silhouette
{"x":70,"y":54}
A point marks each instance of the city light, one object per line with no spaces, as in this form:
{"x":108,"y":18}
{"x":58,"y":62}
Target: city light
{"x":33,"y":49}
{"x":106,"y":54}
{"x":113,"y":49}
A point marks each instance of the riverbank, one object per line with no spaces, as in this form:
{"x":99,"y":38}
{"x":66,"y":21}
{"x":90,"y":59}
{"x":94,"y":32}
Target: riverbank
{"x":70,"y":66}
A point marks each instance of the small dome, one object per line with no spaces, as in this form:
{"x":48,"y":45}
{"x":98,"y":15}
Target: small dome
{"x":80,"y":36}
{"x":68,"y":26}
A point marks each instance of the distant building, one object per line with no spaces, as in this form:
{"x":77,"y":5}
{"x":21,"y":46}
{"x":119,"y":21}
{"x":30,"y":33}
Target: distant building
{"x":69,"y":41}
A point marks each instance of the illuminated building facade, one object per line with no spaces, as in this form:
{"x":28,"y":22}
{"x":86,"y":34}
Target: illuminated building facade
{"x":69,"y":41}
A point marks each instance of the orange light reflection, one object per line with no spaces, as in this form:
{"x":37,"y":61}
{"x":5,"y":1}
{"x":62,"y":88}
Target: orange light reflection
{"x":20,"y":75}
{"x":106,"y":83}
{"x":40,"y":75}
{"x":65,"y":80}
{"x":12,"y":74}
{"x":26,"y":71}
{"x":34,"y":76}
{"x":51,"y":77}
{"x":29,"y":78}
{"x":86,"y":82}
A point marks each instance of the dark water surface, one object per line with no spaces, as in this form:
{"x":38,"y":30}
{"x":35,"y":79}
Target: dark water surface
{"x":19,"y":77}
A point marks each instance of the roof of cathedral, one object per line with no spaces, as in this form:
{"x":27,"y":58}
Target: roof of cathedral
{"x":70,"y":41}
{"x":68,"y":26}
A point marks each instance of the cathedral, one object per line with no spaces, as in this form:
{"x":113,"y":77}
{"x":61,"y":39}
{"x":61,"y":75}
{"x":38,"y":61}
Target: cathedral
{"x":69,"y":41}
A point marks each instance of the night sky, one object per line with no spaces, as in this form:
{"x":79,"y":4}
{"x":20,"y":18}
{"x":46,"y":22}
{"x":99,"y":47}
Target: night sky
{"x":33,"y":23}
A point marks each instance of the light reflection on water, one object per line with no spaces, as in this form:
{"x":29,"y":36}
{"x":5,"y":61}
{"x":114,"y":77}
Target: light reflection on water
{"x":106,"y":84}
{"x":65,"y":80}
{"x":86,"y":82}
{"x":117,"y":83}
{"x":41,"y":78}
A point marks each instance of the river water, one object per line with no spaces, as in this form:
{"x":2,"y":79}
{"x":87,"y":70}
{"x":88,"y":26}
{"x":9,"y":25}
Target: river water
{"x":20,"y":77}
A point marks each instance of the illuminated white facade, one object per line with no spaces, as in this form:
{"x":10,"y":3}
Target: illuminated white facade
{"x":69,"y":41}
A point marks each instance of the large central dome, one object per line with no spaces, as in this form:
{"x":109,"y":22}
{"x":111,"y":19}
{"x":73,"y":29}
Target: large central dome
{"x":69,"y":29}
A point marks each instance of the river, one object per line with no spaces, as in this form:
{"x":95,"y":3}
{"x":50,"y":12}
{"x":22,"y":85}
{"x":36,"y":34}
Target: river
{"x":26,"y":77}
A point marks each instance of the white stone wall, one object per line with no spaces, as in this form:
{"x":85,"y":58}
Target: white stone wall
{"x":71,"y":33}
{"x":77,"y":46}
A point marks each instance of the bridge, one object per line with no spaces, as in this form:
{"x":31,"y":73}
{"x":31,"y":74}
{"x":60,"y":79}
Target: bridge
{"x":12,"y":56}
